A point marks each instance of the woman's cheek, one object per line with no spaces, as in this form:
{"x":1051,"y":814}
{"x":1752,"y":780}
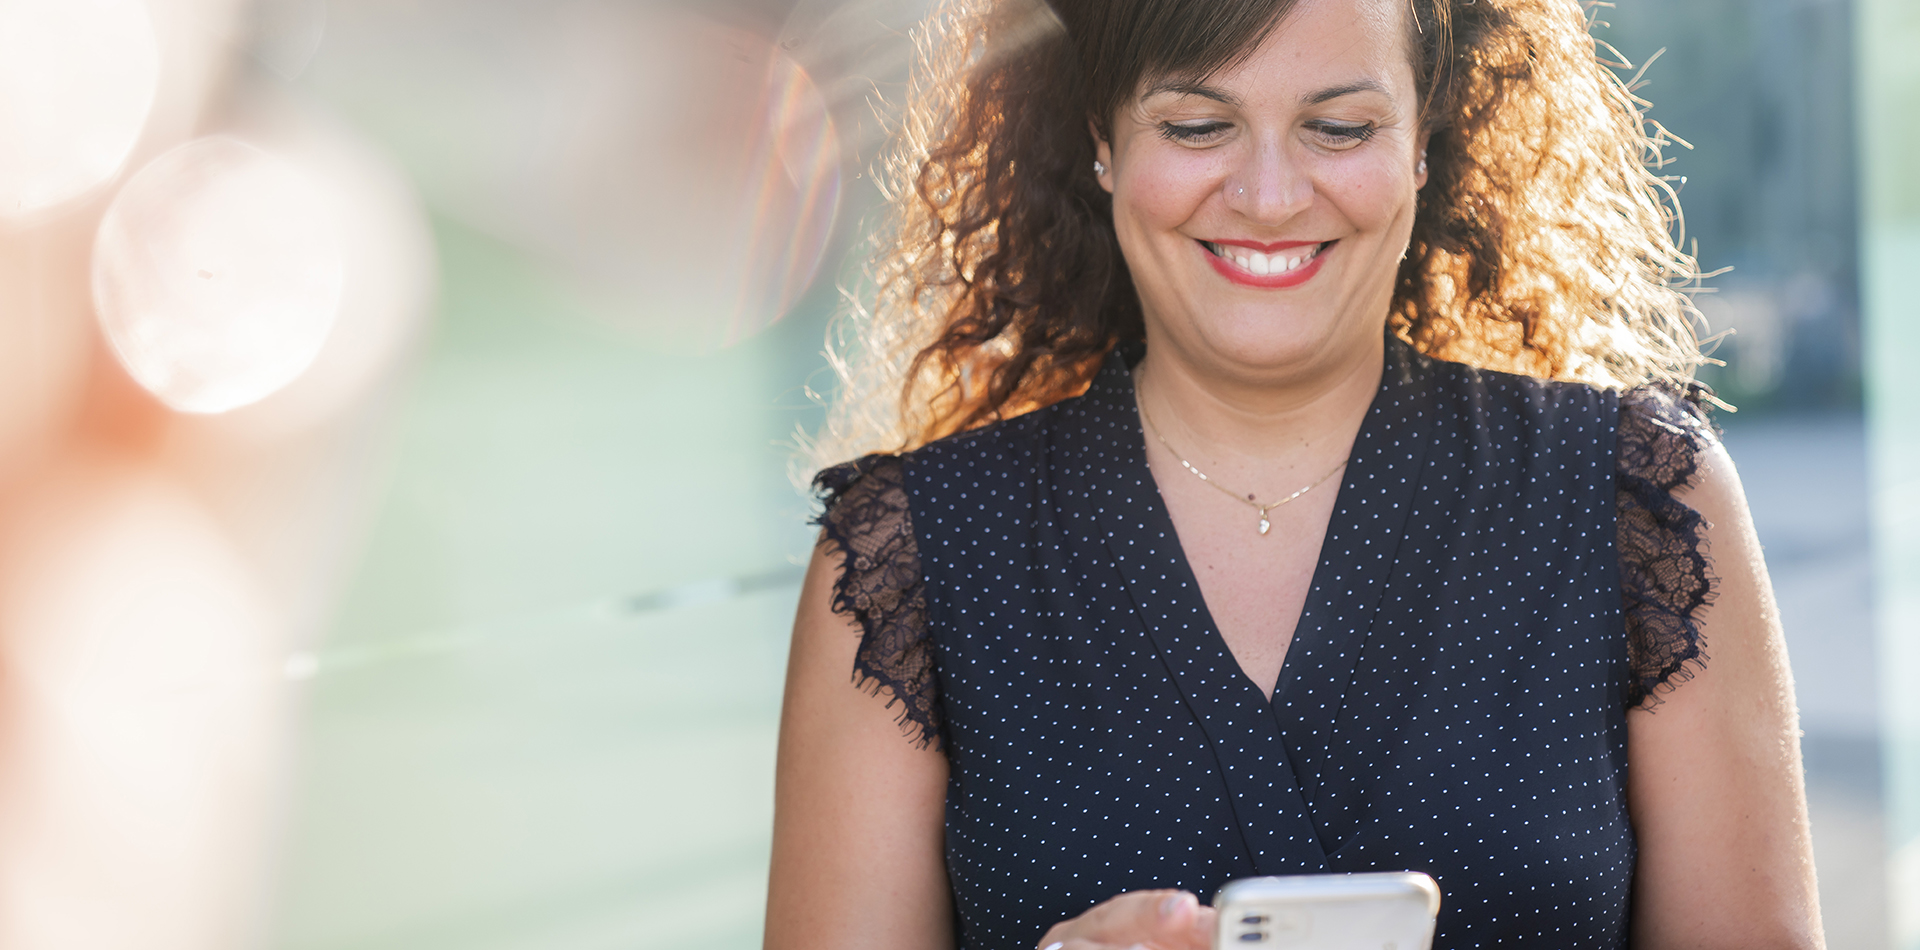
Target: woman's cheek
{"x":1167,"y":190}
{"x":1370,"y":191}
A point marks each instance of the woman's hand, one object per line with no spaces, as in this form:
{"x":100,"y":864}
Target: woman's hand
{"x":1154,"y":920}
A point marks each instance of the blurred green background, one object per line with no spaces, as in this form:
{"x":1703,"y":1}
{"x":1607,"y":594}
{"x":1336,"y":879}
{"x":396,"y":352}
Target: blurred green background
{"x":545,"y":715}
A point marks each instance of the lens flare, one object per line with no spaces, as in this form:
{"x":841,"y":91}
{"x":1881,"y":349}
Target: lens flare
{"x":217,"y":275}
{"x":387,"y":247}
{"x":142,"y":734}
{"x":77,"y":82}
{"x":793,"y":195}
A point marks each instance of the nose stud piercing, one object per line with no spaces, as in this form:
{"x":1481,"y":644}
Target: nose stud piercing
{"x":1098,"y":169}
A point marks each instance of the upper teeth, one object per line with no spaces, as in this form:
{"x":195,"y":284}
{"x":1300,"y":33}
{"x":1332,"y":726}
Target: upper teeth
{"x":1266,"y":264}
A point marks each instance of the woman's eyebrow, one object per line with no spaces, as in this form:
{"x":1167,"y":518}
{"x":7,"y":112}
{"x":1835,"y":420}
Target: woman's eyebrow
{"x":1187,"y":87}
{"x":1346,"y":89}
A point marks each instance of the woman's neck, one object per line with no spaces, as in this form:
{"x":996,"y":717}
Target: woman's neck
{"x":1259,"y":431}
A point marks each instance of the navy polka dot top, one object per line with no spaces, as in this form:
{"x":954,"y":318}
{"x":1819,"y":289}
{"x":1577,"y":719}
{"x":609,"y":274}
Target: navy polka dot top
{"x":1505,"y":575}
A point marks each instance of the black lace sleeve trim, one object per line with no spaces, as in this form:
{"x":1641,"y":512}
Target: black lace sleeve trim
{"x":1666,"y":575}
{"x":880,"y":586}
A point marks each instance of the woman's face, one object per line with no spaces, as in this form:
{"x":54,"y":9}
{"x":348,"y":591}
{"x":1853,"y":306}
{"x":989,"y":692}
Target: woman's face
{"x":1264,"y":209}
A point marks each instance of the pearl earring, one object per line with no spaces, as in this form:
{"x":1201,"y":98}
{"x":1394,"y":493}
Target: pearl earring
{"x":1423,"y":161}
{"x":1098,"y":169}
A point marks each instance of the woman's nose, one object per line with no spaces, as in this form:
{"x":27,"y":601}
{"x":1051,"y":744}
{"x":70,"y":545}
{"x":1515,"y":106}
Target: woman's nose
{"x":1269,"y":187}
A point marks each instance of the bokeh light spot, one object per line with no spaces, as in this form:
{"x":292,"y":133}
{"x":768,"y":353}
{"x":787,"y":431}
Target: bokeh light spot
{"x":77,"y":81}
{"x":217,"y":275}
{"x":793,"y":188}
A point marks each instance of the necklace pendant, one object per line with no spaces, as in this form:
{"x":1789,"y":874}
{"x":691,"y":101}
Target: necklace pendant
{"x":1264,"y":524}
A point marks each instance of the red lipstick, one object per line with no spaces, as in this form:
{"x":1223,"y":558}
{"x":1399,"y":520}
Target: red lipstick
{"x":1247,"y":278}
{"x":1267,"y":248}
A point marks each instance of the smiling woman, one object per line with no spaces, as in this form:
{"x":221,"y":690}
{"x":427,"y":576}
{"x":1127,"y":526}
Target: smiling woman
{"x":1157,"y":263}
{"x":1296,"y":166}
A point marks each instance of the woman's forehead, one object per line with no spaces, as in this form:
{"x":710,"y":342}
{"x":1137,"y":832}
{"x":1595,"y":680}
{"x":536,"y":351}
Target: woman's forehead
{"x":1319,"y":49}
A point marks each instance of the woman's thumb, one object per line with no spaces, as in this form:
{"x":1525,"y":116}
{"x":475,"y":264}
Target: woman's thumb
{"x":1180,"y":924}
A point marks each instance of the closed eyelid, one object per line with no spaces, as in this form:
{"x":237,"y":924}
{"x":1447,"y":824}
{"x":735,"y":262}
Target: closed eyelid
{"x":1354,"y":132}
{"x":1192,"y":132}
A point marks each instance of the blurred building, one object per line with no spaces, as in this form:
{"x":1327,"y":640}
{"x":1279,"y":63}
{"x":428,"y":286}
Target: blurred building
{"x":1763,"y":90}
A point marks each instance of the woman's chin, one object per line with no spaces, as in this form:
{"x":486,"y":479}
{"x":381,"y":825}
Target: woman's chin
{"x":1263,"y":347}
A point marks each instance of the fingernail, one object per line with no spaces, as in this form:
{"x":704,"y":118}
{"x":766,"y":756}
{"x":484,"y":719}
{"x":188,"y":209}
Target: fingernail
{"x":1056,"y":945}
{"x":1168,"y":906}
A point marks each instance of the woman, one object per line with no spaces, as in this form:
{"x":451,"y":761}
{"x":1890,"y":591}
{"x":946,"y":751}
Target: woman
{"x":1295,"y":470}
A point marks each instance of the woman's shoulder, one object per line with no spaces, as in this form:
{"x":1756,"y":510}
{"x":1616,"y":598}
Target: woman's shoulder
{"x":1512,"y":412}
{"x":1664,"y":442}
{"x":862,"y":481}
{"x":1662,"y":419}
{"x":867,"y":516}
{"x":867,"y":523}
{"x":999,"y":440}
{"x":1664,"y":447}
{"x":1665,"y":415}
{"x":1406,"y":365}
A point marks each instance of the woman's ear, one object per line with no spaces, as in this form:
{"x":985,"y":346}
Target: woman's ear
{"x":1102,"y":158}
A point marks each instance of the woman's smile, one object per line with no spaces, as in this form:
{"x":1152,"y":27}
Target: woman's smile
{"x":1273,"y":266}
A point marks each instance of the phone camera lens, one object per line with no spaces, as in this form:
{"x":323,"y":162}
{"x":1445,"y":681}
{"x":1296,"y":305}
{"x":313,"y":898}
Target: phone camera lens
{"x":1254,"y":920}
{"x":1252,"y":936}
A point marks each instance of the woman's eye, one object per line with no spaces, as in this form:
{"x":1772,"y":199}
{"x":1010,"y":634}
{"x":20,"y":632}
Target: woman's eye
{"x":1192,"y":132}
{"x":1340,"y":135}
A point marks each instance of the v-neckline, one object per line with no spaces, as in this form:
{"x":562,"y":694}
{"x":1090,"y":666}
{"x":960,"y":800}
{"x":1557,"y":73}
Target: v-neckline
{"x":1401,"y":375}
{"x":1250,"y":733}
{"x":1182,"y":496}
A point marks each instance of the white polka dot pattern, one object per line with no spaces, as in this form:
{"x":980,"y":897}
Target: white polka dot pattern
{"x":1451,"y":701}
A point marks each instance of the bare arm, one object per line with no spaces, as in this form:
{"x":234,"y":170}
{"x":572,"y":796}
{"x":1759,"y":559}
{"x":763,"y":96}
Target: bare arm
{"x":858,"y":809}
{"x":1714,"y":781}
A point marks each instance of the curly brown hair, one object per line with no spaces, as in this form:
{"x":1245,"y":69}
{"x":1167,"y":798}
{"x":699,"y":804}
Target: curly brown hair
{"x":1545,"y":240}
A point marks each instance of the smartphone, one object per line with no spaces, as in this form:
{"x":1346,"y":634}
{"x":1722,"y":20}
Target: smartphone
{"x":1391,"y":910}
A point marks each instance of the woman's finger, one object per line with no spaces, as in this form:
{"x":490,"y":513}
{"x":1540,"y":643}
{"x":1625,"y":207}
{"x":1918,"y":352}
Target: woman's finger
{"x":1160,"y":920}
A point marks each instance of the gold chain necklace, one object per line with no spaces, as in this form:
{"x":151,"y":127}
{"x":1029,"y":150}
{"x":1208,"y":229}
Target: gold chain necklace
{"x":1249,"y":500}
